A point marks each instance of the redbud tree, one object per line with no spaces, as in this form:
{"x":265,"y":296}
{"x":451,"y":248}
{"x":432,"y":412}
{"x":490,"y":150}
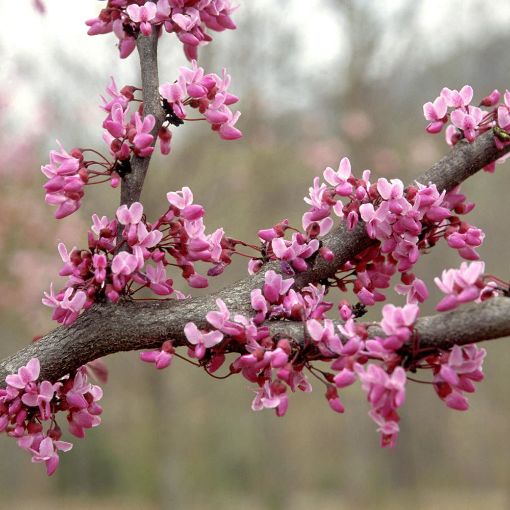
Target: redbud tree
{"x":297,"y":317}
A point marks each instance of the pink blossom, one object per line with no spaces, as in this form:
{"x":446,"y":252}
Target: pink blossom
{"x":456,"y":373}
{"x":143,"y":139}
{"x":456,"y":99}
{"x":468,"y":121}
{"x":41,"y":396}
{"x":386,"y":393}
{"x":460,"y":285}
{"x":271,"y":396}
{"x":162,"y":357}
{"x":201,"y":340}
{"x":47,"y":451}
{"x":435,"y":113}
{"x":124,"y":263}
{"x":275,"y":286}
{"x":128,"y":216}
{"x":324,"y":336}
{"x":340,"y":178}
{"x":143,"y":15}
{"x":26,"y":374}
{"x":227,"y":129}
{"x":398,"y":323}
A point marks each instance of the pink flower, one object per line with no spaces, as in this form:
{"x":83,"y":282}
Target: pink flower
{"x":158,"y":281}
{"x":468,"y":121}
{"x":435,"y":113}
{"x":124,"y":263}
{"x":271,"y":396}
{"x":162,"y":357}
{"x":416,"y":291}
{"x":143,"y":139}
{"x":201,"y":340}
{"x":46,"y":451}
{"x":456,"y":99}
{"x":41,"y":397}
{"x":128,"y":216}
{"x":398,"y":323}
{"x":385,"y":393}
{"x":324,"y":336}
{"x":227,"y":130}
{"x":143,"y":15}
{"x":339,"y":179}
{"x":25,"y":375}
{"x":275,"y":286}
{"x":221,"y":320}
{"x":460,"y":285}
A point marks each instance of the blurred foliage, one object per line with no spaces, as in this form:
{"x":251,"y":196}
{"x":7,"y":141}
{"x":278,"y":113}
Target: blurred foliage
{"x":178,"y":439}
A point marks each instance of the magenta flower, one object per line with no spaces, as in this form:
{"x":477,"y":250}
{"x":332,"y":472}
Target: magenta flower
{"x":468,"y":121}
{"x":385,"y":394}
{"x":41,"y":397}
{"x":324,"y":336}
{"x":275,"y":286}
{"x":201,"y":340}
{"x":271,"y":396}
{"x":128,"y":216}
{"x":456,"y":99}
{"x":162,"y":357}
{"x":340,"y":178}
{"x":460,"y":285}
{"x":435,"y":113}
{"x":143,"y":15}
{"x":47,"y":451}
{"x":398,"y":323}
{"x":227,"y":130}
{"x":25,"y":375}
{"x":143,"y":139}
{"x":124,"y":263}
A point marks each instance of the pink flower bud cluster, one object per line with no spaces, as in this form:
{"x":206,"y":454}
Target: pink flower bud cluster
{"x":455,"y":372}
{"x":129,"y":134}
{"x":109,"y":269}
{"x":208,"y":93}
{"x":468,"y":121}
{"x":28,"y":408}
{"x":404,"y":222}
{"x":277,"y":365}
{"x":126,"y":134}
{"x":67,"y":175}
{"x":188,"y":19}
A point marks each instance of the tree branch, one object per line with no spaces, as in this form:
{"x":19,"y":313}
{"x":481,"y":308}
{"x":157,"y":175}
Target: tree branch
{"x":108,"y":328}
{"x":132,"y":183}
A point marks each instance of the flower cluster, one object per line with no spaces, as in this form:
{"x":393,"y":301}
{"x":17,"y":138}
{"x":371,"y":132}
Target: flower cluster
{"x":468,"y":121}
{"x":208,"y":93}
{"x":278,"y":364}
{"x":128,"y":134}
{"x":28,"y":408}
{"x":404,"y":222}
{"x":455,"y":372}
{"x":124,"y":134}
{"x":114,"y":267}
{"x":189,"y":20}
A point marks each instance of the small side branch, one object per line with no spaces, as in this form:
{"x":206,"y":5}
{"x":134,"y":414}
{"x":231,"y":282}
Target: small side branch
{"x":132,"y":183}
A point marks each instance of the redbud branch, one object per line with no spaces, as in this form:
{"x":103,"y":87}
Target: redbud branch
{"x":110,"y":328}
{"x":132,"y":183}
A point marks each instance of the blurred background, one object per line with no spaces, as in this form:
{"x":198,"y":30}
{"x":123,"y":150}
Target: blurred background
{"x":318,"y":80}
